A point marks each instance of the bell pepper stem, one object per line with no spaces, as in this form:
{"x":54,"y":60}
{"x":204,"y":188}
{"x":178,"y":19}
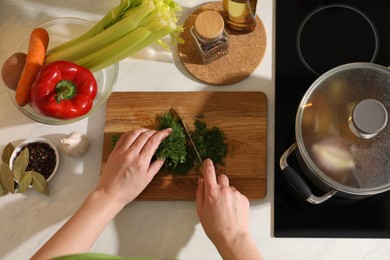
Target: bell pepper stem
{"x":65,"y":90}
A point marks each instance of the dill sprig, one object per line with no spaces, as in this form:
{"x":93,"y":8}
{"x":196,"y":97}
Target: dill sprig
{"x":210,"y":142}
{"x":173,"y":148}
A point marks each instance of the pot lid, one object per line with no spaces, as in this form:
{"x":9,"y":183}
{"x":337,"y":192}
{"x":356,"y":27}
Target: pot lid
{"x":343,"y":131}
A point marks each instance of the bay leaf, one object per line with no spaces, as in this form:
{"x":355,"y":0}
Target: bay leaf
{"x":20,"y":164}
{"x":7,"y":178}
{"x":25,"y":181}
{"x":6,"y":155}
{"x":3,"y":191}
{"x":39,"y":183}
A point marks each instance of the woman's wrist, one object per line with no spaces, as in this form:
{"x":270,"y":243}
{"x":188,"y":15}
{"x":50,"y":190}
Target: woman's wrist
{"x":99,"y":200}
{"x":241,"y":246}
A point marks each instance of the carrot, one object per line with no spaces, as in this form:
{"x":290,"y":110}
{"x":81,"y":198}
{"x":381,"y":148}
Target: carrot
{"x":37,"y":46}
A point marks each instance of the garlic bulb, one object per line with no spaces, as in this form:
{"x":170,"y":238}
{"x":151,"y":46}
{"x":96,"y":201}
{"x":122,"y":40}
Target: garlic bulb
{"x":76,"y":144}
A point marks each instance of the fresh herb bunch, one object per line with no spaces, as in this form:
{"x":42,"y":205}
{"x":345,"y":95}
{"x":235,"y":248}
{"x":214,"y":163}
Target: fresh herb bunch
{"x":173,"y":148}
{"x":210,"y":142}
{"x":178,"y":152}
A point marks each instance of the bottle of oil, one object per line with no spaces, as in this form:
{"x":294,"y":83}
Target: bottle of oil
{"x":240,"y":15}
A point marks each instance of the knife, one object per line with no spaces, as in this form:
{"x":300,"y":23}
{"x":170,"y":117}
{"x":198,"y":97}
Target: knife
{"x":176,"y":114}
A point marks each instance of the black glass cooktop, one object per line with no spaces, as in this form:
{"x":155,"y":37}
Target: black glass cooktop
{"x":313,"y":36}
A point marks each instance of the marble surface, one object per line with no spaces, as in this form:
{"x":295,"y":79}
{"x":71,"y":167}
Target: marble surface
{"x":161,"y":230}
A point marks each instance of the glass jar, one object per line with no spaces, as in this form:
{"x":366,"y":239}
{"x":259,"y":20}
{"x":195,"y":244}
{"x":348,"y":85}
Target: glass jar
{"x":210,"y":37}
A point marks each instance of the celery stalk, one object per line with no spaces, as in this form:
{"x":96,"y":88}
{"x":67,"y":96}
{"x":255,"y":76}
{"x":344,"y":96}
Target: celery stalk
{"x":142,"y":44}
{"x":126,"y":29}
{"x":151,"y":39}
{"x":104,"y":38}
{"x":133,"y":42}
{"x":110,"y":18}
{"x":99,"y":59}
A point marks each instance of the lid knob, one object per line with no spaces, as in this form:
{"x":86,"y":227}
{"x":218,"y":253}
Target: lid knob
{"x":368,"y":118}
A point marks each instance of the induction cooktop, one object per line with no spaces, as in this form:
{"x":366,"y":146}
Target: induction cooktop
{"x":313,"y":36}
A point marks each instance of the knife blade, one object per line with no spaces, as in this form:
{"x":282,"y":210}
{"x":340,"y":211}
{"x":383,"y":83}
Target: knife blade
{"x":175,"y":113}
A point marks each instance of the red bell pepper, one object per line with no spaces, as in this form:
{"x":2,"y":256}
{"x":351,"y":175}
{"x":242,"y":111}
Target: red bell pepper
{"x":64,"y":90}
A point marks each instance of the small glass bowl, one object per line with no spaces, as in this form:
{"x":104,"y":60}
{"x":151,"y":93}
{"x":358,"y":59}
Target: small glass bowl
{"x":23,"y":144}
{"x":61,"y":30}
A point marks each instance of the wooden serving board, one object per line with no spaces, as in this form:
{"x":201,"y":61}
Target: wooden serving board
{"x":242,"y":116}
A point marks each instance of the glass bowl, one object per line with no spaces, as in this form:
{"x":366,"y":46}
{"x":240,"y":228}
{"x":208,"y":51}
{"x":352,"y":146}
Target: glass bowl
{"x":61,"y":30}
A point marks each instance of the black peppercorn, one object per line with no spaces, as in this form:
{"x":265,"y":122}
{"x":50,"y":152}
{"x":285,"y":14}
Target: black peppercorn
{"x":42,"y":158}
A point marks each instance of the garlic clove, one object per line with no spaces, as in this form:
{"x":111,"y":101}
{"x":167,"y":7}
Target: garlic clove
{"x":75,"y":144}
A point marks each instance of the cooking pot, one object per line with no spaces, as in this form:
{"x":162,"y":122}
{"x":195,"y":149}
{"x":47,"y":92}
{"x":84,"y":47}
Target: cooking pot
{"x":342,"y":135}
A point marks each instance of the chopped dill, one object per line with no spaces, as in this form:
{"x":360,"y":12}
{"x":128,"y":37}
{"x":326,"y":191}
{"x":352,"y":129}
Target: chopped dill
{"x":179,"y":155}
{"x":173,"y":148}
{"x":210,"y":142}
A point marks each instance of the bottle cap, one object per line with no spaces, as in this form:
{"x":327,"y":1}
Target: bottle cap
{"x":209,"y":25}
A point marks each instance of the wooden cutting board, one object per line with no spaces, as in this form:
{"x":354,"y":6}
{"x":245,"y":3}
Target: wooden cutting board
{"x":242,"y":116}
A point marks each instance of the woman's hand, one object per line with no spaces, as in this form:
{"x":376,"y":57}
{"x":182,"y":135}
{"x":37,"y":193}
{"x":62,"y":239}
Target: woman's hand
{"x":224,"y":214}
{"x":129,"y":168}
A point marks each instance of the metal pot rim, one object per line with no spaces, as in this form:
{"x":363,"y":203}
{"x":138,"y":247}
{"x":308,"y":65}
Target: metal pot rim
{"x":299,"y":136}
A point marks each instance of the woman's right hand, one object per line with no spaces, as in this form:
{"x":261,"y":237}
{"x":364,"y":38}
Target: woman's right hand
{"x":224,"y":214}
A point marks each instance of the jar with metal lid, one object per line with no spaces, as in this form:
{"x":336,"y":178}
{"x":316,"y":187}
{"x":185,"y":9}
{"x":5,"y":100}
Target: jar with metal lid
{"x":209,"y":35}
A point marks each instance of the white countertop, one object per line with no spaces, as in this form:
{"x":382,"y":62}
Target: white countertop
{"x":161,"y":230}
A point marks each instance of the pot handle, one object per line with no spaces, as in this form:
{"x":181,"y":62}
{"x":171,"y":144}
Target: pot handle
{"x":298,"y":183}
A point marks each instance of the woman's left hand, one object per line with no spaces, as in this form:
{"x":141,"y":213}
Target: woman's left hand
{"x":129,"y":168}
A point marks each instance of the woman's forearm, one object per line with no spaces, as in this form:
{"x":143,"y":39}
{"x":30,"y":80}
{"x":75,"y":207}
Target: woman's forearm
{"x":80,"y":232}
{"x":242,"y":247}
{"x":129,"y":169}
